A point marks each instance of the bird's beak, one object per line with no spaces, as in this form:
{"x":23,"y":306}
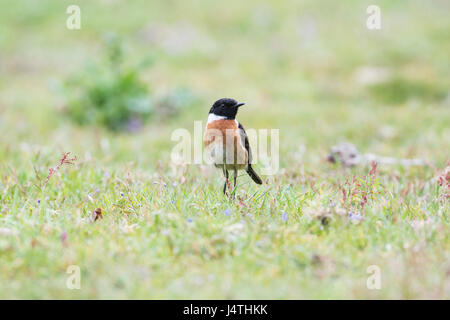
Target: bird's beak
{"x":240,"y":104}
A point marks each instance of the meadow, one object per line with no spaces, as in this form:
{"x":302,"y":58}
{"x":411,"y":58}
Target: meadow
{"x":311,"y":69}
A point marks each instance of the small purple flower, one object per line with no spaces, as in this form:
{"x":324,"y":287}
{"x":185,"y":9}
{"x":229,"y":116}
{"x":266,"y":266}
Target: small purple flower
{"x":165,"y":185}
{"x":174,"y":184}
{"x":39,"y":201}
{"x":134,"y":124}
{"x":98,"y":190}
{"x":227,"y":212}
{"x":172,"y":201}
{"x":121,"y":194}
{"x":189,"y":220}
{"x":284,"y":216}
{"x":106,"y":174}
{"x":356,"y":217}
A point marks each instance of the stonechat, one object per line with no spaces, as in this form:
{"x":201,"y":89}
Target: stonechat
{"x":226,"y":142}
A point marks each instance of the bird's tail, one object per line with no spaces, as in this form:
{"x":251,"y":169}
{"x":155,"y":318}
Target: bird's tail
{"x":253,"y":174}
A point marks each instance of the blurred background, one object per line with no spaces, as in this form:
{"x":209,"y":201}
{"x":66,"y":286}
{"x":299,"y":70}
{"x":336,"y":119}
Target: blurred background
{"x":117,"y":87}
{"x":113,"y":92}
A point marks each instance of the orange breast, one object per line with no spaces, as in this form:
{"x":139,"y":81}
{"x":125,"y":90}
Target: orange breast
{"x":218,"y":127}
{"x":226,"y":133}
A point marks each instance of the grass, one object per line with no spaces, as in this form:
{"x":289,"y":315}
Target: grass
{"x":167,"y":231}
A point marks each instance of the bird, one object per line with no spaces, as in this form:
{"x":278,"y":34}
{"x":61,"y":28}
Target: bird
{"x":226,"y":142}
{"x":96,"y":214}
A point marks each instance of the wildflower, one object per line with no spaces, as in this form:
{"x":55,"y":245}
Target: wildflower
{"x":64,"y":160}
{"x":64,"y":237}
{"x":189,"y":220}
{"x":284,"y":216}
{"x":172,"y":201}
{"x":134,"y":124}
{"x":227,"y":212}
{"x":354,"y":216}
{"x":121,"y":194}
{"x":174,"y":184}
{"x":39,"y":201}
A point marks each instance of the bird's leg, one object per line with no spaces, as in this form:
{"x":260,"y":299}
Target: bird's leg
{"x":235,"y":178}
{"x":225,"y":173}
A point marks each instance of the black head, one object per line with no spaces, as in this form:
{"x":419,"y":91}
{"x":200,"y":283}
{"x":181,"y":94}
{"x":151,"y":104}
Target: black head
{"x":226,"y":107}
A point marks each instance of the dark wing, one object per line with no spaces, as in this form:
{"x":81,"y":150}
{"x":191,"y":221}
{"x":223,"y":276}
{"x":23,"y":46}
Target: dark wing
{"x":245,"y":143}
{"x":249,"y":169}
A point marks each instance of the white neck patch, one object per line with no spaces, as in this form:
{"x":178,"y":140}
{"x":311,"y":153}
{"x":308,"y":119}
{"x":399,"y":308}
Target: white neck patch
{"x":213,"y":117}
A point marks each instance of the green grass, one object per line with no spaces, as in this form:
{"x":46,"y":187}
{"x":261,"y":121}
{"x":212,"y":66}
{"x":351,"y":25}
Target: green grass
{"x":168,"y":236}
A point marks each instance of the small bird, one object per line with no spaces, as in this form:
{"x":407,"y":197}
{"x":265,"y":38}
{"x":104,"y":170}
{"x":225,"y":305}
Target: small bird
{"x":226,"y":142}
{"x":96,"y":214}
